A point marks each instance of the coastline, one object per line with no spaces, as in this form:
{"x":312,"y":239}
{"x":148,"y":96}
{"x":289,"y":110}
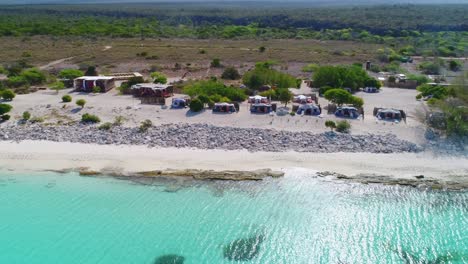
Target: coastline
{"x":130,"y":160}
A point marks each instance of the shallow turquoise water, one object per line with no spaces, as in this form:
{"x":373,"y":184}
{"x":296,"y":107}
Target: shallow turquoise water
{"x":64,"y":218}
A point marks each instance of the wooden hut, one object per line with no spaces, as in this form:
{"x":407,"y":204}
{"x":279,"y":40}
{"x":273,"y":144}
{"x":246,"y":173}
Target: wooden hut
{"x":89,"y":83}
{"x":152,"y":90}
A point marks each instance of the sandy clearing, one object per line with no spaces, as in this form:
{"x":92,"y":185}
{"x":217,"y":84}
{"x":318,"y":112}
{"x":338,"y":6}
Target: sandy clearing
{"x":109,"y":105}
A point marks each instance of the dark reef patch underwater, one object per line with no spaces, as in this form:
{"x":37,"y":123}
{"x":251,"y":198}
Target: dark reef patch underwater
{"x":170,"y":259}
{"x":244,"y":249}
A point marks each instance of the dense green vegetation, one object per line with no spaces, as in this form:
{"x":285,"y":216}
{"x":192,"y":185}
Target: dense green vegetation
{"x":70,"y":74}
{"x":159,"y":77}
{"x":452,"y":101}
{"x":340,"y":97}
{"x":215,"y":91}
{"x":413,"y":29}
{"x":433,"y":91}
{"x":352,"y":77}
{"x":7,"y":95}
{"x":264,"y":74}
{"x":4,"y":109}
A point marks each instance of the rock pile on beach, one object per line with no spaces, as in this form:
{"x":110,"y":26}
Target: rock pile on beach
{"x":205,"y":136}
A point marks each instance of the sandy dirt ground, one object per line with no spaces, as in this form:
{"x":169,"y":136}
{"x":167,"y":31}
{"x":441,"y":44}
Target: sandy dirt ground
{"x":107,"y":106}
{"x":44,"y":155}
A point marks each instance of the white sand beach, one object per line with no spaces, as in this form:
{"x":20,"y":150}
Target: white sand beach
{"x":46,"y":155}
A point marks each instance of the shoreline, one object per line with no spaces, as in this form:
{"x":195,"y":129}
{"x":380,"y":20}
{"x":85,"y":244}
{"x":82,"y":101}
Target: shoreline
{"x":394,"y":168}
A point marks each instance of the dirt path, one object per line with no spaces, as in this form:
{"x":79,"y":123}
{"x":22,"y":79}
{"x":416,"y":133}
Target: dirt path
{"x":55,"y":62}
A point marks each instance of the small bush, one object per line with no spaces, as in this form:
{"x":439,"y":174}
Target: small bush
{"x":5,"y":117}
{"x":81,"y":102}
{"x":215,"y":63}
{"x":292,"y":113}
{"x":330,"y":124}
{"x":88,"y":118}
{"x":96,"y":89}
{"x":145,"y":125}
{"x":196,"y":105}
{"x":105,"y":126}
{"x":5,"y":108}
{"x":230,"y":73}
{"x":432,"y":101}
{"x":262,"y":49}
{"x":66,"y":98}
{"x":159,"y":77}
{"x":26,"y":116}
{"x":118,"y":121}
{"x":8,"y":95}
{"x":419,"y":97}
{"x":343,"y":126}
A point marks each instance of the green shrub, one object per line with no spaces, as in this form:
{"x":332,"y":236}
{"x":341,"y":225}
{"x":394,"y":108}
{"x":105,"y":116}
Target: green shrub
{"x":105,"y":126}
{"x":5,"y":108}
{"x":91,"y":71}
{"x":230,"y":73}
{"x":263,"y":74}
{"x":262,"y":49}
{"x":159,"y":77}
{"x":96,"y":89}
{"x":357,"y":102}
{"x":66,"y":98}
{"x":420,"y":79}
{"x":57,"y":86}
{"x":70,"y":74}
{"x":431,"y":67}
{"x":26,"y":116}
{"x":17,"y":81}
{"x":81,"y":102}
{"x":5,"y":117}
{"x":33,"y":76}
{"x":214,"y":88}
{"x":341,"y":96}
{"x":343,"y":126}
{"x":284,"y":95}
{"x":310,"y":67}
{"x":145,"y":125}
{"x":125,"y":86}
{"x":215,"y":63}
{"x":338,"y":96}
{"x":432,"y":101}
{"x":196,"y":105}
{"x":292,"y":113}
{"x":203,"y":98}
{"x":119,"y":120}
{"x":88,"y":118}
{"x":216,"y":98}
{"x":419,"y":97}
{"x":436,"y":91}
{"x":8,"y":95}
{"x":330,"y":124}
{"x":353,"y":77}
{"x":455,"y":65}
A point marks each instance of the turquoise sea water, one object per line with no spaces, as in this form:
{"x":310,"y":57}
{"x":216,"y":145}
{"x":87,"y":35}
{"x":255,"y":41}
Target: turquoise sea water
{"x":65,"y":218}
